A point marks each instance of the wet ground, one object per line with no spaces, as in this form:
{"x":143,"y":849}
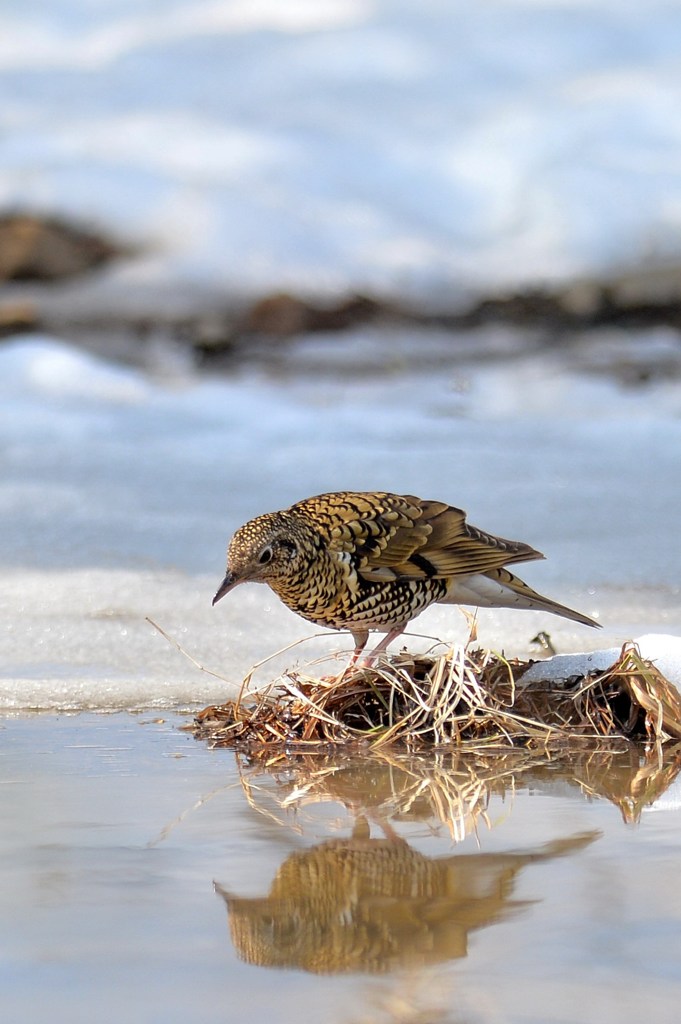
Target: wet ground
{"x":149,"y":878}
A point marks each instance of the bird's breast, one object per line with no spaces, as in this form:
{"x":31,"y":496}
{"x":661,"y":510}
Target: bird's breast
{"x":314,"y":590}
{"x":341,"y":599}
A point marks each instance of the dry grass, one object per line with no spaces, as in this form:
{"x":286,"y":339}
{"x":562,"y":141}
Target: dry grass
{"x":464,"y":697}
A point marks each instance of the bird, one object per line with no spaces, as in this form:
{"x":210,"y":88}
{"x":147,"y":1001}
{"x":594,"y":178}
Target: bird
{"x":372,"y":560}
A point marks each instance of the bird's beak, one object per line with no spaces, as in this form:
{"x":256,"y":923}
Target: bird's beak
{"x":227,"y":584}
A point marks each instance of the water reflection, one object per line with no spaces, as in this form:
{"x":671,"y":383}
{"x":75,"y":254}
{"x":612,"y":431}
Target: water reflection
{"x":376,"y":904}
{"x":452,"y":788}
{"x":370,"y":901}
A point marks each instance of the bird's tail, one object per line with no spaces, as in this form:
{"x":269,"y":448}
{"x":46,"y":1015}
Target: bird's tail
{"x":499,"y":588}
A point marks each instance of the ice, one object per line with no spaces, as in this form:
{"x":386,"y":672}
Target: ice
{"x":118,"y":493}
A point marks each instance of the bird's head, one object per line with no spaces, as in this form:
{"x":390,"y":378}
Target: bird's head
{"x":264,"y":550}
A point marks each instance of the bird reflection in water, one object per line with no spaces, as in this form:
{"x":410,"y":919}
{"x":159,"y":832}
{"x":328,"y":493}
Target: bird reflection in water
{"x":375,"y":904}
{"x":372,"y":902}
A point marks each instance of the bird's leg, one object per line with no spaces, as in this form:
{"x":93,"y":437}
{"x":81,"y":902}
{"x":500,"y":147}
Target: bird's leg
{"x":360,"y":639}
{"x":383,"y":644}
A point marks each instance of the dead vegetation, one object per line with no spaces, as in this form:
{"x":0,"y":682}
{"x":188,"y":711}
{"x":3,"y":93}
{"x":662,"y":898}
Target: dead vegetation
{"x":466,"y":698}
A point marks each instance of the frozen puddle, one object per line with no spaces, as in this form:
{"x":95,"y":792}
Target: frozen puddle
{"x":118,"y":494}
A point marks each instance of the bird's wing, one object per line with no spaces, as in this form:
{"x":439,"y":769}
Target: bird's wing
{"x":391,"y":536}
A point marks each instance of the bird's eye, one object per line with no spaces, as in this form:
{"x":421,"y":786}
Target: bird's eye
{"x":265,"y":556}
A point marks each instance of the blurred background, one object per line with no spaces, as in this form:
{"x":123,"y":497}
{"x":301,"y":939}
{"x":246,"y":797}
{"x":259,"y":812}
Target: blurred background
{"x":252,"y":250}
{"x":228,"y":149}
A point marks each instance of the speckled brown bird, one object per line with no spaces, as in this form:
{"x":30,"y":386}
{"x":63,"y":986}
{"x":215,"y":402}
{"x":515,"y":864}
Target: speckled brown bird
{"x":372,"y":560}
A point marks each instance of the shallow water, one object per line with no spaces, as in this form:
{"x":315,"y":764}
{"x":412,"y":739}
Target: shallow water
{"x":148,"y":877}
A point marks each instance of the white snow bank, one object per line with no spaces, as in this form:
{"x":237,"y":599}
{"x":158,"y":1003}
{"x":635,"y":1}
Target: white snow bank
{"x":663,"y":650}
{"x":333,"y":144}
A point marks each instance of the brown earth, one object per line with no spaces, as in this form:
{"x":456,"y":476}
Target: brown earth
{"x":46,"y":251}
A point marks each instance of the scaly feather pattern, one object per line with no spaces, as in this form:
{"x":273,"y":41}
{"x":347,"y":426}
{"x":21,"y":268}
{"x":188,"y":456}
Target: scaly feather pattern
{"x":374,"y":560}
